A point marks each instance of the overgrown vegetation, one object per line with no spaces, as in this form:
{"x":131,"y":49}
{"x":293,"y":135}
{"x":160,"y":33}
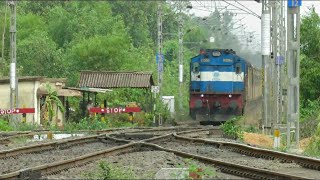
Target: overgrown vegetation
{"x":313,"y":147}
{"x":232,"y":129}
{"x":309,"y":81}
{"x":4,"y":125}
{"x":195,"y":171}
{"x":108,"y":171}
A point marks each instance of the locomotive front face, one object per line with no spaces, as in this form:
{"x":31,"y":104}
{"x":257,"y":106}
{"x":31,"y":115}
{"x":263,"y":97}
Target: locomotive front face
{"x":217,"y":82}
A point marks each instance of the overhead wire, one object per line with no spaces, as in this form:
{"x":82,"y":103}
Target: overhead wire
{"x":241,"y":9}
{"x":248,"y":9}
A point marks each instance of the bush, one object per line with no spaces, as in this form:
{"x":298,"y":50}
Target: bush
{"x":309,"y":118}
{"x":231,"y":128}
{"x":4,"y":125}
{"x":26,"y":127}
{"x":314,"y":145}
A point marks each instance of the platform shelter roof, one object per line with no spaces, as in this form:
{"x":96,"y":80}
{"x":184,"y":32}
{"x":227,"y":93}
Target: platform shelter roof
{"x":115,"y":79}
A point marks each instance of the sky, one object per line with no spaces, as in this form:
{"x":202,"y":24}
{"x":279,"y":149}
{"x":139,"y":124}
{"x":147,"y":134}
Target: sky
{"x":252,"y":23}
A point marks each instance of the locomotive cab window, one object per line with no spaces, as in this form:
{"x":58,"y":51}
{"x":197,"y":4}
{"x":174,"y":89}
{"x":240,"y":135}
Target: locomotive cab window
{"x":238,"y":68}
{"x":195,"y":67}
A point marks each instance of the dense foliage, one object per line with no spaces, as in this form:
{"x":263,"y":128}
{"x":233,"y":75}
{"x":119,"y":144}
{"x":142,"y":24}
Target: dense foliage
{"x":309,"y":81}
{"x":60,"y":38}
{"x":310,"y":72}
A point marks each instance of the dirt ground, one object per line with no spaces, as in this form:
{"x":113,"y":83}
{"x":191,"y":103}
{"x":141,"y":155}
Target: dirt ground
{"x":259,"y":140}
{"x":304,"y":143}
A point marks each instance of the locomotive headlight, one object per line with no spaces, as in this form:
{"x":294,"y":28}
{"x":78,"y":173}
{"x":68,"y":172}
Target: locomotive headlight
{"x":230,"y":95}
{"x":201,"y":95}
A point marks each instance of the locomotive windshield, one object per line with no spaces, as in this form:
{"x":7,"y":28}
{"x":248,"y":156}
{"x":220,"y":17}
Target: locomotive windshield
{"x":195,"y":67}
{"x":238,"y":68}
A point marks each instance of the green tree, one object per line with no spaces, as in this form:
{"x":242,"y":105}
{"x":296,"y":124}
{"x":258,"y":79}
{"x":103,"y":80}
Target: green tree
{"x":310,"y":58}
{"x":310,"y":35}
{"x":38,"y":55}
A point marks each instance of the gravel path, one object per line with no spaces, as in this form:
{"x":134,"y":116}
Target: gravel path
{"x":137,"y":165}
{"x":31,"y":160}
{"x":228,"y":156}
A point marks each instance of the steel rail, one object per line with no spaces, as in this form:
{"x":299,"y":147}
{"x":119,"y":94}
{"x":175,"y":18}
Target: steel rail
{"x":166,"y":129}
{"x":226,"y":167}
{"x":18,"y":134}
{"x":53,"y":145}
{"x":307,"y":162}
{"x":165,"y":136}
{"x":47,"y":146}
{"x":38,"y":171}
{"x":238,"y":170}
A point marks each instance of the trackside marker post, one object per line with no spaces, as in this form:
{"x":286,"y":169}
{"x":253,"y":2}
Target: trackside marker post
{"x":276,"y":142}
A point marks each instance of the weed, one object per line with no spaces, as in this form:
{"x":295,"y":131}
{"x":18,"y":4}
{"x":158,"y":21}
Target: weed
{"x":231,"y":128}
{"x":20,"y":140}
{"x":107,"y":171}
{"x":251,"y":129}
{"x":4,"y":126}
{"x":196,"y":171}
{"x":26,"y":127}
{"x":313,"y":147}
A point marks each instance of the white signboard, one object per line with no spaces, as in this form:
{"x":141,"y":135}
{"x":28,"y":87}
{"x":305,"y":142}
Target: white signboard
{"x":155,"y":89}
{"x":169,"y":101}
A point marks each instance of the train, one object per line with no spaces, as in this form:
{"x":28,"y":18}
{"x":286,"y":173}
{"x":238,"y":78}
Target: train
{"x":222,"y":85}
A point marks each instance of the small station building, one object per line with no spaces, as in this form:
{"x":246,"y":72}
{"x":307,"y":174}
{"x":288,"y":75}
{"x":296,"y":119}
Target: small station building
{"x":32,"y":91}
{"x":93,"y":82}
{"x":31,"y":94}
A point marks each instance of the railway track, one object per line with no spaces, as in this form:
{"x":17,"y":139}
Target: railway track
{"x":147,"y":143}
{"x":307,"y":162}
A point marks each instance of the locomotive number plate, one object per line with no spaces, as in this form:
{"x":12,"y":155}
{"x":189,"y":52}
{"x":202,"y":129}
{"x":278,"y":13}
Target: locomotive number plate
{"x":227,"y":60}
{"x":205,"y":60}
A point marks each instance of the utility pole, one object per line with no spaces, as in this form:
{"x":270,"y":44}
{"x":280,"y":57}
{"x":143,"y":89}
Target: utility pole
{"x":13,"y":76}
{"x":180,"y":36}
{"x":159,"y":56}
{"x":274,"y":78}
{"x":277,"y":59}
{"x":293,"y":68}
{"x":283,"y":75}
{"x":265,"y":51}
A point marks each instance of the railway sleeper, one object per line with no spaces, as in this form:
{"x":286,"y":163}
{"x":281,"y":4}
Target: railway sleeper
{"x":29,"y":174}
{"x":241,"y":173}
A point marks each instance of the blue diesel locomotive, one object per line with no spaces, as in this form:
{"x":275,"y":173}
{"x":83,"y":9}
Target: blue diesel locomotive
{"x":221,"y":84}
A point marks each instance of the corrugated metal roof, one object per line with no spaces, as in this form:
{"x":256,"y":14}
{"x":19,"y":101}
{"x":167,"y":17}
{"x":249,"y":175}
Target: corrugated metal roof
{"x":112,"y":79}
